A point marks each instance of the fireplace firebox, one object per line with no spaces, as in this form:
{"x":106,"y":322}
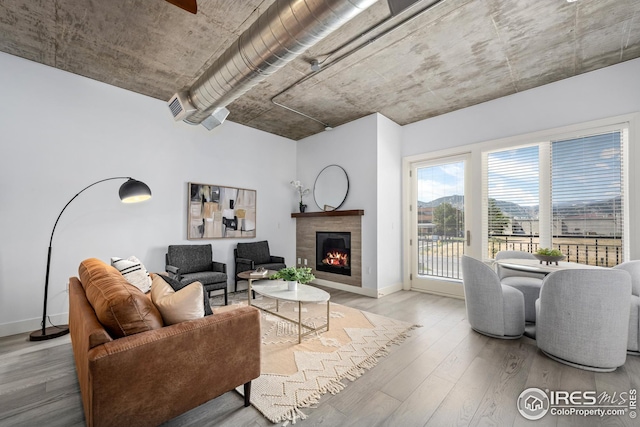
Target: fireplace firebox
{"x":333,"y":252}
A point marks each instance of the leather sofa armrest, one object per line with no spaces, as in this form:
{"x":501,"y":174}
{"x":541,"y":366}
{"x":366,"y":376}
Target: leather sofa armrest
{"x":219,"y":266}
{"x":275,"y":259}
{"x":175,"y":368}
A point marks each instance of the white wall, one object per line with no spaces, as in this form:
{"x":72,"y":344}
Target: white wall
{"x":389,"y":188}
{"x":354,"y":147}
{"x":60,"y":132}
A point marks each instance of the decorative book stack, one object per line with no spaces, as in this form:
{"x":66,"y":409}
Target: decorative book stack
{"x":259,"y":273}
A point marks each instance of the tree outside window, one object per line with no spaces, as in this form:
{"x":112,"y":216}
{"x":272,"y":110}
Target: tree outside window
{"x":448,"y":220}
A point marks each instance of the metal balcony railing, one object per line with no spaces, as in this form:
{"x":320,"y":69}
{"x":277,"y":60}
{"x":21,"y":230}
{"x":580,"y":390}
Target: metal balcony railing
{"x":439,"y":256}
{"x":603,"y":251}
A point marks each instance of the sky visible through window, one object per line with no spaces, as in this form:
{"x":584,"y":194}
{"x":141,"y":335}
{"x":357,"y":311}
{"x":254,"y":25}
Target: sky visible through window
{"x":514,"y":176}
{"x":435,"y":182}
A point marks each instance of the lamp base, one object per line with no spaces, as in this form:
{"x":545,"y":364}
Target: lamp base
{"x":49,"y":333}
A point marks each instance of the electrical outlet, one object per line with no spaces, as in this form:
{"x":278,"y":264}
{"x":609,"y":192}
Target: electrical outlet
{"x":299,"y":261}
{"x":305,"y":261}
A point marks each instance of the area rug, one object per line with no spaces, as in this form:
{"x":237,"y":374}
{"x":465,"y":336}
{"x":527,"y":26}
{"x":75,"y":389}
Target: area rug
{"x":295,"y":376}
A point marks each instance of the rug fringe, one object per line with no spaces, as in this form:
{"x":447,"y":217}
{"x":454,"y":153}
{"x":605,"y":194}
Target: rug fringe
{"x":292,"y":416}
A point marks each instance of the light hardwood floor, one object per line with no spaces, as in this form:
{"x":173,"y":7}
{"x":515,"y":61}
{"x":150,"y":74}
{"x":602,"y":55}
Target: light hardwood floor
{"x":445,"y":374}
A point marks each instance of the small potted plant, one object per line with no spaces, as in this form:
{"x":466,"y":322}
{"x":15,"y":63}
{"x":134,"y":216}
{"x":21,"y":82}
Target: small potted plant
{"x":549,"y":255}
{"x":294,"y":275}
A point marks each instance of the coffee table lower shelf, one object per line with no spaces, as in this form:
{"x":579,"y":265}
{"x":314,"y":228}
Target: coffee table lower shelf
{"x":278,"y":291}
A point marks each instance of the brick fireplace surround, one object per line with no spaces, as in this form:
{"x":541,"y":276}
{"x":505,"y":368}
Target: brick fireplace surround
{"x":307,"y":224}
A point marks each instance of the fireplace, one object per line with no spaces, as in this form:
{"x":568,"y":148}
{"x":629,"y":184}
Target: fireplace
{"x":333,"y":252}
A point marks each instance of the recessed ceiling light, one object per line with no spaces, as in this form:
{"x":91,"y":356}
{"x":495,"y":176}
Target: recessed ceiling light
{"x":571,"y":1}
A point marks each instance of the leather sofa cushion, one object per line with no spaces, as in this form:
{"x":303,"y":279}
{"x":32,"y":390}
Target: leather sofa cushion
{"x":177,"y":306}
{"x":177,"y":285}
{"x":120,"y":307}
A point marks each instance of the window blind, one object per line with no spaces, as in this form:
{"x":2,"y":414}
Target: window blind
{"x":587,"y":187}
{"x":513,"y":191}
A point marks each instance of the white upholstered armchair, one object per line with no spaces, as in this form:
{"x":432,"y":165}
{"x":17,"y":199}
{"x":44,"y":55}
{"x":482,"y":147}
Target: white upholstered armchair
{"x":583,"y":318}
{"x":493,"y":309}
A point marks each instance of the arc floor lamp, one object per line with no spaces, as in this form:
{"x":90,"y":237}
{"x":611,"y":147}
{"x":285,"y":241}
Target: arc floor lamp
{"x":132,"y":191}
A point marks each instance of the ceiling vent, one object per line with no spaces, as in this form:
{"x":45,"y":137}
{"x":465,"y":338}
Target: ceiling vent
{"x":180,"y":106}
{"x":285,"y":30}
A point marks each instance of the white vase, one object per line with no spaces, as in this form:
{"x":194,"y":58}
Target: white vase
{"x":292,"y":285}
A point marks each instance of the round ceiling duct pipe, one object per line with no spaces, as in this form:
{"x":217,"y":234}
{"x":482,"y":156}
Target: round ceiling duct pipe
{"x":285,"y":30}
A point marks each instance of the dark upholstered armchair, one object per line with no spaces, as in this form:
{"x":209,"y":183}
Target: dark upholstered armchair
{"x":191,"y":263}
{"x":250,"y":256}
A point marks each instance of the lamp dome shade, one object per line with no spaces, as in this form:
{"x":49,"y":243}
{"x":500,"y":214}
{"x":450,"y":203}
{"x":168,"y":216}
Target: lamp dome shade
{"x":134,"y":191}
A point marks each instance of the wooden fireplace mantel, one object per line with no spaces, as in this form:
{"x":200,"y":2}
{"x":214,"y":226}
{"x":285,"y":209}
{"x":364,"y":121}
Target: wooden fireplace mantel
{"x":356,"y":212}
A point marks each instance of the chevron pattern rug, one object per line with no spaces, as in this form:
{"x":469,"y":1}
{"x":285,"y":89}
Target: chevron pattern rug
{"x":295,"y":376}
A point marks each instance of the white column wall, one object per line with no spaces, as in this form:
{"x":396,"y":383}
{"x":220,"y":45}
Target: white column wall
{"x":354,"y":147}
{"x":389,"y":205}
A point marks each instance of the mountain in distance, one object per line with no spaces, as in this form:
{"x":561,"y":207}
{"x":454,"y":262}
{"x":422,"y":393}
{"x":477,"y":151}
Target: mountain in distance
{"x":596,"y":208}
{"x":601,"y":208}
{"x":509,"y":208}
{"x":456,"y":201}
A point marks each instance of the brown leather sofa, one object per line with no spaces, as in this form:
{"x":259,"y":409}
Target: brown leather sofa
{"x":134,"y":371}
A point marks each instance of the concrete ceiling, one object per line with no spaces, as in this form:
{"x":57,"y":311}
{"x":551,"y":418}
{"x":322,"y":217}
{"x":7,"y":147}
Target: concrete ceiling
{"x":455,"y":54}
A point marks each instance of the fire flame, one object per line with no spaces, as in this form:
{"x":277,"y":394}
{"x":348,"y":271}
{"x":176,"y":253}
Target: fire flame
{"x":336,"y":258}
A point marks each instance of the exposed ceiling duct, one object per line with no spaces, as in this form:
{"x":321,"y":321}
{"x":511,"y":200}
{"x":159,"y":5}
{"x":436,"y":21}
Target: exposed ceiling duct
{"x":285,"y":30}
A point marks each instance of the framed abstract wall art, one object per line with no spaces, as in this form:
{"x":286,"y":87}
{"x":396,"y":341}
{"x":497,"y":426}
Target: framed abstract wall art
{"x":217,"y":212}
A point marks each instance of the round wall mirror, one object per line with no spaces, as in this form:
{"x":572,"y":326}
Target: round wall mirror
{"x":331,"y":188}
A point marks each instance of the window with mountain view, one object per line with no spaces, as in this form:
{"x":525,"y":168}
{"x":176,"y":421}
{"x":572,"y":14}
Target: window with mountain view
{"x":578,"y":209}
{"x":513,"y":198}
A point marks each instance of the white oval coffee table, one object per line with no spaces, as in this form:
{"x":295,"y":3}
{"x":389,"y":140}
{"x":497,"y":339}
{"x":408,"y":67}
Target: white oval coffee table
{"x":277,"y":289}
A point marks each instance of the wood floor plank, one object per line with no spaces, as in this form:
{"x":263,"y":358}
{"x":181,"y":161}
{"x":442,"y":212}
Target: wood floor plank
{"x":324,"y":414}
{"x":454,"y":366}
{"x":499,"y":403}
{"x":421,"y":404}
{"x":573,"y":379}
{"x":461,"y":404}
{"x":412,"y":376}
{"x":373,"y":412}
{"x":544,"y":374}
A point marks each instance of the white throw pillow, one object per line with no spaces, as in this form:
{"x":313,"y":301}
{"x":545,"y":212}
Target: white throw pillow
{"x":175,"y":307}
{"x":133,"y":270}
